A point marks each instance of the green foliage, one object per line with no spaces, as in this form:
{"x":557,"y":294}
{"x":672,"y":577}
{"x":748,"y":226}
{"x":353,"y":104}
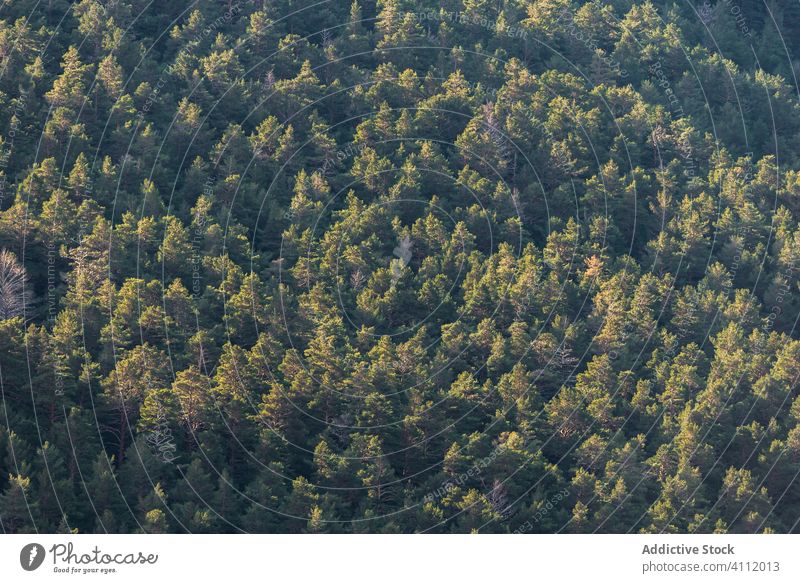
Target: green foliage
{"x":399,"y":266}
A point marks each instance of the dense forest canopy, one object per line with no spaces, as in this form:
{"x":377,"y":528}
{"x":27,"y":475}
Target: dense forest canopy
{"x":399,"y":266}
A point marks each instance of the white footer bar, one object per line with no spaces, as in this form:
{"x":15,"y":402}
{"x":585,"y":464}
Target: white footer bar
{"x":406,"y":558}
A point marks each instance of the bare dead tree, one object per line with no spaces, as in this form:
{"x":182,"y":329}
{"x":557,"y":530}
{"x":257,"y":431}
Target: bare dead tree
{"x":497,"y":136}
{"x":498,"y":499}
{"x":15,"y":293}
{"x":706,"y":13}
{"x":358,"y":279}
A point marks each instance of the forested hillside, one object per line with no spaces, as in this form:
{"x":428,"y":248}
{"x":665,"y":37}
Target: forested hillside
{"x":399,"y":266}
